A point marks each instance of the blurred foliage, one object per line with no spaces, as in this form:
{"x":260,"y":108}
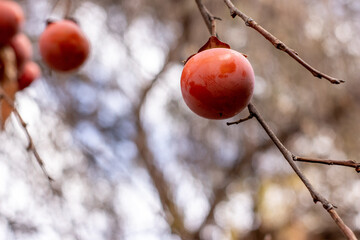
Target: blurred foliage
{"x":88,"y":126}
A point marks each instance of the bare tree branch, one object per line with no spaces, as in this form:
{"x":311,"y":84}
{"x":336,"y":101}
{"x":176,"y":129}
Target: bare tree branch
{"x":346,"y":163}
{"x":345,"y":229}
{"x":8,"y":88}
{"x":278,"y":44}
{"x":31,"y":146}
{"x":233,"y":173}
{"x":208,"y":17}
{"x":173,"y":216}
{"x":317,"y":197}
{"x":241,"y":120}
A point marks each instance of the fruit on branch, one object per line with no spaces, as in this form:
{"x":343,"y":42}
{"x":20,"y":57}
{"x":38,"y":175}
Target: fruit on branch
{"x":217,"y":83}
{"x":22,"y":48}
{"x":63,"y":46}
{"x":11,"y":20}
{"x":28,"y":74}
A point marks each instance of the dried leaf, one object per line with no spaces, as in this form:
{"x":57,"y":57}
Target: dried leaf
{"x":10,"y":88}
{"x":8,"y":82}
{"x":213,"y":42}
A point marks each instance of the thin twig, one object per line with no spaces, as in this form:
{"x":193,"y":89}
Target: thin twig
{"x":31,"y":147}
{"x":278,"y":44}
{"x":54,"y":6}
{"x":208,"y":17}
{"x":346,"y":163}
{"x":67,"y":12}
{"x":317,"y":197}
{"x":232,"y":173}
{"x":241,"y":120}
{"x":289,"y":156}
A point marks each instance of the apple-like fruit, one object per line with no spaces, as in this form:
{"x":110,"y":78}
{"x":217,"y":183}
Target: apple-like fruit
{"x":11,"y":20}
{"x":217,"y":83}
{"x":63,"y":46}
{"x":28,"y":74}
{"x":22,"y":48}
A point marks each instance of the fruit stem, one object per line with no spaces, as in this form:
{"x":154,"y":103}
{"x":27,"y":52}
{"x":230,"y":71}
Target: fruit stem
{"x":213,"y":27}
{"x":67,"y":9}
{"x":208,"y":17}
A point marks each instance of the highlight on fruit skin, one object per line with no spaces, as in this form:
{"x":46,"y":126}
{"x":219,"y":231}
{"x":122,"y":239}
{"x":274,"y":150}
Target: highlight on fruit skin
{"x":28,"y":75}
{"x":63,"y":46}
{"x":217,"y":83}
{"x":11,"y":20}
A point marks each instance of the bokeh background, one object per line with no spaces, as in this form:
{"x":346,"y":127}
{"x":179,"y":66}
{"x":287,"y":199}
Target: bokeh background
{"x":131,"y":161}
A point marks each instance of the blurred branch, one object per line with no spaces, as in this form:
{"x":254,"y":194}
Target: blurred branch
{"x":347,"y":163}
{"x":31,"y":146}
{"x":67,"y":12}
{"x":150,"y":85}
{"x":289,"y":156}
{"x":19,"y":227}
{"x":66,"y":8}
{"x":268,"y":237}
{"x":173,"y":215}
{"x":232,"y":173}
{"x":8,"y":88}
{"x":277,"y":43}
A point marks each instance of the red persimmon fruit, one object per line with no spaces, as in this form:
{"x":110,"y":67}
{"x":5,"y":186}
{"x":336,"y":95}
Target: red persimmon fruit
{"x":22,"y":48}
{"x":11,"y":20}
{"x":63,"y":46}
{"x":217,"y":83}
{"x":29,"y":73}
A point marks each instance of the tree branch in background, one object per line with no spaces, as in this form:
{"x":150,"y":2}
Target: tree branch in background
{"x":317,"y":197}
{"x":277,"y":43}
{"x":8,"y":88}
{"x":232,"y":173}
{"x":67,"y":12}
{"x":31,"y":146}
{"x":173,"y":216}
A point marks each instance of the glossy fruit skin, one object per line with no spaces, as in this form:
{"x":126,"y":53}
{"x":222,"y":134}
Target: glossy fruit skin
{"x":11,"y":20}
{"x":22,"y":48}
{"x":29,"y":73}
{"x":63,"y":46}
{"x":217,"y":83}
